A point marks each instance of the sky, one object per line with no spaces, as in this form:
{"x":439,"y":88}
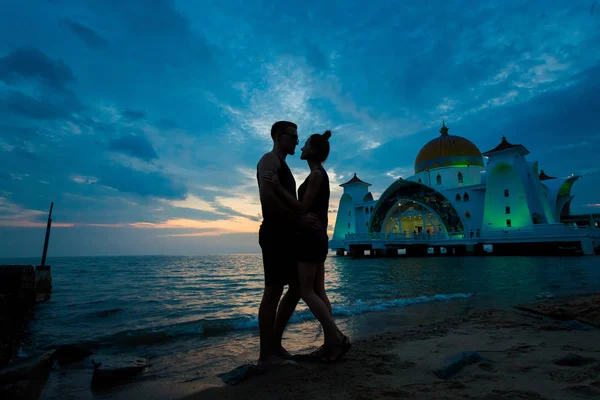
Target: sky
{"x":143,"y":121}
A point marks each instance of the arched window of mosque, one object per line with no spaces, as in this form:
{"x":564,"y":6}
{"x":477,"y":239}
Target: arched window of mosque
{"x":457,"y":196}
{"x":348,"y":225}
{"x":466,"y":197}
{"x":367,"y":224}
{"x":439,"y":179}
{"x":460,"y":177}
{"x":420,"y":181}
{"x":366,"y":210}
{"x":371,"y":210}
{"x":349,"y":213}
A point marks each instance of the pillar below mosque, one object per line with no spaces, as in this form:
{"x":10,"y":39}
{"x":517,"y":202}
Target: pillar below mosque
{"x":357,"y":253}
{"x":587,"y":247}
{"x":391,"y":252}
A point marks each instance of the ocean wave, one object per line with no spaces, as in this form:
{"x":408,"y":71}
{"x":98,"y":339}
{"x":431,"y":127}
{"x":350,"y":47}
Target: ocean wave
{"x":360,"y":307}
{"x":216,"y":327}
{"x":105,"y":313}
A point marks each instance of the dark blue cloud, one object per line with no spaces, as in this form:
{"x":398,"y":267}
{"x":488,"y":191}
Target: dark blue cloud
{"x":134,"y":115}
{"x":159,"y":30}
{"x":14,"y":134}
{"x":315,"y":56}
{"x":88,"y":35}
{"x":161,"y":18}
{"x":134,"y":145}
{"x":166,"y":123}
{"x":30,"y":63}
{"x":24,"y":154}
{"x":100,"y":127}
{"x":152,"y":184}
{"x":30,"y":107}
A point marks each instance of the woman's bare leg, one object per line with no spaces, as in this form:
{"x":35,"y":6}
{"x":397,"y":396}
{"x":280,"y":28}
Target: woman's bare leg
{"x":307,"y":273}
{"x":320,"y":286}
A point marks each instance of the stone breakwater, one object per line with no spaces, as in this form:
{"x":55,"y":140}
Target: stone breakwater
{"x":21,"y":287}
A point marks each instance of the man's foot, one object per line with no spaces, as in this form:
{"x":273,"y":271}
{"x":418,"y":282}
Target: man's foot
{"x":283,"y":353}
{"x":273,"y":361}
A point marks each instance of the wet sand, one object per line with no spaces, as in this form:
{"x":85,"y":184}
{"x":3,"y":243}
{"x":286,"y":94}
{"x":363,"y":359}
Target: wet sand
{"x":520,"y":353}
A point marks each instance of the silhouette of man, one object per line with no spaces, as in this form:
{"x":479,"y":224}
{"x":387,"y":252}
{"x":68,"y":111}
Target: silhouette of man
{"x":277,"y":239}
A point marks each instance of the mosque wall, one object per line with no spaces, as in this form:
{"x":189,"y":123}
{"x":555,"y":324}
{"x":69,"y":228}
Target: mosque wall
{"x":468,"y":203}
{"x":505,"y":205}
{"x":363,"y":215}
{"x":449,"y":177}
{"x":543,"y":204}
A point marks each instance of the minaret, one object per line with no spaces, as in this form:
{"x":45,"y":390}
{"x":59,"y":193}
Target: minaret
{"x":355,"y":191}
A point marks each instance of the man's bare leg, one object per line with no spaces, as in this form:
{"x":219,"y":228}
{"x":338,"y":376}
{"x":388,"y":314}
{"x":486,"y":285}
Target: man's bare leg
{"x":266,"y":322}
{"x":287,"y":306}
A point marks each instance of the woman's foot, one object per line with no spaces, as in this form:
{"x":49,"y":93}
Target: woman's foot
{"x":336,"y":352}
{"x":319,"y":352}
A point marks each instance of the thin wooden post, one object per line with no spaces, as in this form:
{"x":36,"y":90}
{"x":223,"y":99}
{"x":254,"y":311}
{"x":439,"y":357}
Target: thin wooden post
{"x":47,"y":235}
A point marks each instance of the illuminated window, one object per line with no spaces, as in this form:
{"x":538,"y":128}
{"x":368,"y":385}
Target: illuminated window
{"x":507,"y":210}
{"x":505,"y":192}
{"x":508,"y":223}
{"x":439,"y":179}
{"x":457,"y":197}
{"x":460,"y":177}
{"x":466,"y":197}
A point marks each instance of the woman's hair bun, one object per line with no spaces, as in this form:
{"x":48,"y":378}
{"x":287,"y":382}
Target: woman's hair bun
{"x":327,"y":135}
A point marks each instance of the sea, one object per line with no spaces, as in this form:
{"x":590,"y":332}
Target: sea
{"x":195,"y":318}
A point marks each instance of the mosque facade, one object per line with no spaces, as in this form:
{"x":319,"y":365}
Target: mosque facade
{"x":461,"y":198}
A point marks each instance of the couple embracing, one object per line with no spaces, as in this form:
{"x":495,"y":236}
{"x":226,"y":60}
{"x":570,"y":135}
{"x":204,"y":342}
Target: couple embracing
{"x":294,"y":243}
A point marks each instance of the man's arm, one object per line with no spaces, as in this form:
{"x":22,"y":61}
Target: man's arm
{"x":268,"y":197}
{"x":313,"y":185}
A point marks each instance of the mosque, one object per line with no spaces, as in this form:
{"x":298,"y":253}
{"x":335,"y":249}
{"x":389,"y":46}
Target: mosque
{"x":463,"y":201}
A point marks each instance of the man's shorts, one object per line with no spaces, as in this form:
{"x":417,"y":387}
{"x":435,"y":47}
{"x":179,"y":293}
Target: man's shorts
{"x":280,"y":263}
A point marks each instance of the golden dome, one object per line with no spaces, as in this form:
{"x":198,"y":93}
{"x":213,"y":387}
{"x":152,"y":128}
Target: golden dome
{"x":447,"y":150}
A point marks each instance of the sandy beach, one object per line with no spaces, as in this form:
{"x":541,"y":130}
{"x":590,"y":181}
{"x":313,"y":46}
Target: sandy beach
{"x":520,"y":353}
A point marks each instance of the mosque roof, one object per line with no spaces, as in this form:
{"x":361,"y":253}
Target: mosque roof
{"x":544,"y":177}
{"x":355,"y":179}
{"x":504,"y":145}
{"x":447,"y":150}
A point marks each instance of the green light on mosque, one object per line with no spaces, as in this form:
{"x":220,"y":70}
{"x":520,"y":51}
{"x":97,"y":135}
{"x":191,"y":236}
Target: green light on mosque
{"x":519,"y":218}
